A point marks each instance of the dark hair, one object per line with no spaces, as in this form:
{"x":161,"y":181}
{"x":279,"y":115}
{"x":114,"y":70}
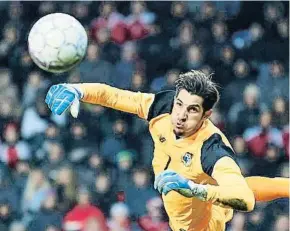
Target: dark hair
{"x":198,"y":83}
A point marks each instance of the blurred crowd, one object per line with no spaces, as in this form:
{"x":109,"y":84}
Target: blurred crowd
{"x":94,"y":173}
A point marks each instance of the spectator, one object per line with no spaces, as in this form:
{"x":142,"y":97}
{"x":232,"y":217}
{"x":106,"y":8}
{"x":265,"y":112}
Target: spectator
{"x":34,"y":84}
{"x":39,"y":115}
{"x":153,"y":220}
{"x":246,"y":114}
{"x":140,"y":20}
{"x":48,"y":215}
{"x":20,"y":176}
{"x":8,"y":192}
{"x":124,"y":166}
{"x":6,"y":214}
{"x":13,"y":149}
{"x":126,"y":66}
{"x":81,"y":12}
{"x":66,"y":188}
{"x":104,"y":193}
{"x":46,"y":8}
{"x":216,"y":118}
{"x":280,"y":113}
{"x":273,"y":82}
{"x":224,"y":71}
{"x":8,"y":90}
{"x":119,"y":217}
{"x":242,"y":156}
{"x":115,"y":143}
{"x":194,"y":58}
{"x":10,"y":37}
{"x":110,"y":19}
{"x":54,"y":160}
{"x":220,"y":38}
{"x":91,"y":166}
{"x":141,"y":186}
{"x":82,"y":212}
{"x":171,"y":77}
{"x":77,"y":142}
{"x":40,"y":143}
{"x":259,"y":137}
{"x":138,"y":82}
{"x":95,"y":69}
{"x":178,"y":13}
{"x":21,"y":65}
{"x":8,"y":113}
{"x":185,"y":37}
{"x":255,"y":49}
{"x":233,"y":92}
{"x":36,"y":191}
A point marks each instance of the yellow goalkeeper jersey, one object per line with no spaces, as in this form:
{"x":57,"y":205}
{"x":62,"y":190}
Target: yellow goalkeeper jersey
{"x":206,"y":157}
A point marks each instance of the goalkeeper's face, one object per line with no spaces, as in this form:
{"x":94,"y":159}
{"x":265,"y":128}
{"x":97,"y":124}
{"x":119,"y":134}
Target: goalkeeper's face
{"x":187,"y":114}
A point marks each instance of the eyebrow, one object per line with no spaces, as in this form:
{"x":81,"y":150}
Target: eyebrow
{"x":191,"y":105}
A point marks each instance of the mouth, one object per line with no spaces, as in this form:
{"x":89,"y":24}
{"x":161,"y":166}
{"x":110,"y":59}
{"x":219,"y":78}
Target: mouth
{"x":179,"y":125}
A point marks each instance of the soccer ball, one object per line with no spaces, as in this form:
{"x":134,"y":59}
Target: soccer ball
{"x":57,"y":42}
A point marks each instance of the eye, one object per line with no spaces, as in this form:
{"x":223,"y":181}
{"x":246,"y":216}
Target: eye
{"x":178,"y":104}
{"x":193,"y":110}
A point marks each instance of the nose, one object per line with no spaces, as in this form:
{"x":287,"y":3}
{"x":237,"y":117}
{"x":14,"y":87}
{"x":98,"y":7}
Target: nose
{"x":182,"y":115}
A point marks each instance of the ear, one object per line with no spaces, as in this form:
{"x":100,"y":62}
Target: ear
{"x":207,"y":114}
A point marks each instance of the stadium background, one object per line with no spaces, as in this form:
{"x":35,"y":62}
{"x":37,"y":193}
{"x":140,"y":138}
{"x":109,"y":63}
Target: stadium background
{"x":52,"y":165}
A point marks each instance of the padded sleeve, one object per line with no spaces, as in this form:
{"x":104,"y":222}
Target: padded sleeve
{"x":212,"y":150}
{"x":163,"y":103}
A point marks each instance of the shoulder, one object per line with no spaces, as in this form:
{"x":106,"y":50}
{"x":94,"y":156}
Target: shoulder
{"x":162,"y":103}
{"x":212,"y":150}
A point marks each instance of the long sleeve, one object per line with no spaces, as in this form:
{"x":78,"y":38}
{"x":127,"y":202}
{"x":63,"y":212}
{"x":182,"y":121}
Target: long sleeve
{"x":132,"y":102}
{"x":232,"y":190}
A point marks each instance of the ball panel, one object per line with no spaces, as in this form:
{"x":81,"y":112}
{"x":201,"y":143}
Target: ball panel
{"x":55,"y":38}
{"x":71,"y":35}
{"x":68,"y":54}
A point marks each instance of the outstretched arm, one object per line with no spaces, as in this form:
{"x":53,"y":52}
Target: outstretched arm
{"x":132,"y":102}
{"x":63,"y":96}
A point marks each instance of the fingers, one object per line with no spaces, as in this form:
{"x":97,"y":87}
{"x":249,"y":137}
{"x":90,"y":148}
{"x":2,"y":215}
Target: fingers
{"x":59,"y":99}
{"x":75,"y":107}
{"x":160,"y":176}
{"x":169,"y":187}
{"x":164,"y":178}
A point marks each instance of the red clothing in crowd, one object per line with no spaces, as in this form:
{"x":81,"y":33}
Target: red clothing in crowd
{"x":79,"y":215}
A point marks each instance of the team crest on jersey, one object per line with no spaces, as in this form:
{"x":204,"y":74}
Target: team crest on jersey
{"x":187,"y":159}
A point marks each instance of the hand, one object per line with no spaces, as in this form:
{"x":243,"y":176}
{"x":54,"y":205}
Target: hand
{"x":170,"y":180}
{"x":60,"y":97}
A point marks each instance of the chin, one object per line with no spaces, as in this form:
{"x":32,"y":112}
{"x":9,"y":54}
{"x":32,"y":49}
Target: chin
{"x":178,"y":133}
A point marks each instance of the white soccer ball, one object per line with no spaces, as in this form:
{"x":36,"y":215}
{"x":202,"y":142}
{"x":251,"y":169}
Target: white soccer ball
{"x":57,"y":42}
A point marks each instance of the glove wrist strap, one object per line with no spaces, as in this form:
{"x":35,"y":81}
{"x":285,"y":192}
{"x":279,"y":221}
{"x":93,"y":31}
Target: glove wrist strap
{"x":198,"y":190}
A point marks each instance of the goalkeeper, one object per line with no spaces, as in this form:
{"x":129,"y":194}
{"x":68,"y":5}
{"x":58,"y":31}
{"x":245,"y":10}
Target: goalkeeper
{"x":194,"y":164}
